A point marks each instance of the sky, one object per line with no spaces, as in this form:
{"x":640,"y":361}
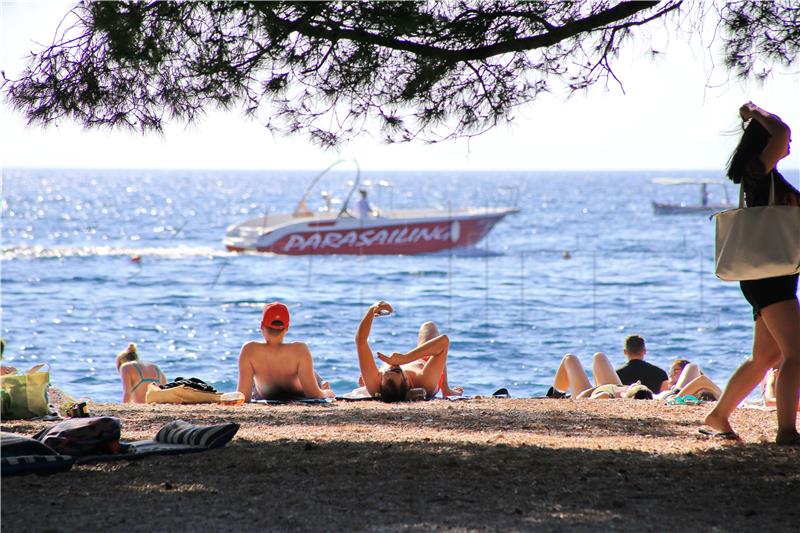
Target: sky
{"x":677,"y":113}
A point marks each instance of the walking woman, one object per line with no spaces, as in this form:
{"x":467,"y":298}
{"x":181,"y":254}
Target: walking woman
{"x":776,"y":338}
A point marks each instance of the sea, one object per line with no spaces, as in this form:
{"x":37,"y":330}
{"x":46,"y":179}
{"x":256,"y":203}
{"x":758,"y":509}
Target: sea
{"x":583,"y":264}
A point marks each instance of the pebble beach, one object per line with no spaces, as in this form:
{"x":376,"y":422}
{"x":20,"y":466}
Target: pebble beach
{"x":483,"y":464}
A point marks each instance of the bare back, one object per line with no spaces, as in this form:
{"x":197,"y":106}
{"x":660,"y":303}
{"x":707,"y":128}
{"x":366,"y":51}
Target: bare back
{"x":283,"y":367}
{"x":136,"y":377}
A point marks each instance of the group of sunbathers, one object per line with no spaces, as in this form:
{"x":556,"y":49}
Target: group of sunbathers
{"x":276,"y":369}
{"x":636,"y":379}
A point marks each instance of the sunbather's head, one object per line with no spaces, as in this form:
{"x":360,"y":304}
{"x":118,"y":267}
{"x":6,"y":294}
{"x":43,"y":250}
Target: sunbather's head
{"x":675,"y":370}
{"x":427,"y":331}
{"x":638,"y":392}
{"x":127,"y":355}
{"x":394,"y":384}
{"x":274,"y":321}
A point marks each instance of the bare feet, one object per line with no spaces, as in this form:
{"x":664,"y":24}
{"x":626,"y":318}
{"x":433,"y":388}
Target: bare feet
{"x":791,"y":438}
{"x":721,"y":425}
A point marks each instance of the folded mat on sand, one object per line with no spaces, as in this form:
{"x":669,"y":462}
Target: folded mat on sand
{"x":286,"y":400}
{"x":361,"y":395}
{"x":24,"y":455}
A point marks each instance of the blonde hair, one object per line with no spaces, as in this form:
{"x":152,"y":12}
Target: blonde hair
{"x":127,"y":355}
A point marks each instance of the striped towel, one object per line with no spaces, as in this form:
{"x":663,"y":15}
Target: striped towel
{"x":182,"y":432}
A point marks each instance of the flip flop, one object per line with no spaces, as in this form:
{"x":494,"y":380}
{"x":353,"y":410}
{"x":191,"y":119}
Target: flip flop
{"x":723,"y":435}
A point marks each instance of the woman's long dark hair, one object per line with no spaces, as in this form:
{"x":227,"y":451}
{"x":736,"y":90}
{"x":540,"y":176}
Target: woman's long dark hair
{"x":753,"y":141}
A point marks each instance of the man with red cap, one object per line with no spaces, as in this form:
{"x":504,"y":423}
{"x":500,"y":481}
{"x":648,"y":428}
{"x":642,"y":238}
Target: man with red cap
{"x":274,"y":369}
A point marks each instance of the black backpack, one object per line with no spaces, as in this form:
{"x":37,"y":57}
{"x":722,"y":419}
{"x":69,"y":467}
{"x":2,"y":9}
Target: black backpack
{"x":83,"y":436}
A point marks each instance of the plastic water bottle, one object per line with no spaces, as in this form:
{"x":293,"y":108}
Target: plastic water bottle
{"x":232,"y":398}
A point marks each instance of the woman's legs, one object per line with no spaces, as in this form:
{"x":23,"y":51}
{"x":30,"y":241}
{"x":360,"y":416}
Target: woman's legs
{"x":604,"y":373}
{"x":698,"y":385}
{"x":571,"y":376}
{"x":689,"y":373}
{"x":783,"y":321}
{"x":766,"y":353}
{"x":435,"y":366}
{"x":427,"y":331}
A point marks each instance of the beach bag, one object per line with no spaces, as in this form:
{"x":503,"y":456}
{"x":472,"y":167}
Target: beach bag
{"x":758,"y":242}
{"x":83,"y":436}
{"x":182,"y":391}
{"x":25,"y":395}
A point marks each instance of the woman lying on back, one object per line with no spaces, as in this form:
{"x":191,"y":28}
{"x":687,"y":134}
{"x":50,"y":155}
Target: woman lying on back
{"x":423,"y":367}
{"x":686,"y":379}
{"x":570,"y":376}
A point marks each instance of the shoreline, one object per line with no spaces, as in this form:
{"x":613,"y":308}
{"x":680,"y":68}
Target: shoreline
{"x":481,"y":464}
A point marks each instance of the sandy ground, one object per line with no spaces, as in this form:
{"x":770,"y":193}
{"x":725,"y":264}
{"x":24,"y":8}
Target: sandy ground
{"x":478,"y":465}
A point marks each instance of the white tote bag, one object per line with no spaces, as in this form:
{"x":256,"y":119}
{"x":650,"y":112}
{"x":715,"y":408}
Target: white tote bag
{"x":758,"y":242}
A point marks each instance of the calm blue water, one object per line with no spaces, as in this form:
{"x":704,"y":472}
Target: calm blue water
{"x":512,"y":307}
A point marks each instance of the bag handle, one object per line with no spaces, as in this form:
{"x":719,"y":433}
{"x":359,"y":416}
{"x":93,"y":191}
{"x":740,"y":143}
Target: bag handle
{"x":771,"y":188}
{"x":771,"y":200}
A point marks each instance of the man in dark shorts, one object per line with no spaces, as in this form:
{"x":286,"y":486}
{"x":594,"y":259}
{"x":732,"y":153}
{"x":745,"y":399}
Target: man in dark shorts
{"x":637,"y":369}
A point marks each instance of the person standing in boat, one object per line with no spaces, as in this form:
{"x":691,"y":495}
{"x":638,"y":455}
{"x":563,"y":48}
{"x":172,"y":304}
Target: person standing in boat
{"x":776,"y":313}
{"x":363,"y":209}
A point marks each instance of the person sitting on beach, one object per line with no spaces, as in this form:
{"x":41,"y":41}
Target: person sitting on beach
{"x":275,"y":369}
{"x":136,"y":375}
{"x":768,"y":388}
{"x":423,"y":367}
{"x":686,"y":379}
{"x":5,"y":369}
{"x":571,"y":377}
{"x":637,"y":369}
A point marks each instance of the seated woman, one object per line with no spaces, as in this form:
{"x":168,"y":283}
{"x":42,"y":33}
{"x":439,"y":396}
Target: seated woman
{"x":686,"y":379}
{"x":570,"y":376}
{"x":768,"y":385}
{"x":136,"y":374}
{"x":4,"y":369}
{"x":422,"y":367}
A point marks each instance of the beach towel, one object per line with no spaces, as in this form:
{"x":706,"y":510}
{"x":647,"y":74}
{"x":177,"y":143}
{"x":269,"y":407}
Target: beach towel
{"x":23,"y":455}
{"x":180,"y":394}
{"x":358,"y":395}
{"x":288,"y":400}
{"x":19,"y":456}
{"x":177,"y":437}
{"x":361,"y":395}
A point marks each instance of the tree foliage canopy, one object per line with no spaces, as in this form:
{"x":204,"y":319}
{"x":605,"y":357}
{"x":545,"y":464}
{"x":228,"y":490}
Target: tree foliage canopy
{"x":423,"y":70}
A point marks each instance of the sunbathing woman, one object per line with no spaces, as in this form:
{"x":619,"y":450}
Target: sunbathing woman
{"x":570,"y":376}
{"x":422,"y":367}
{"x":768,"y":388}
{"x":686,"y":379}
{"x":136,"y":375}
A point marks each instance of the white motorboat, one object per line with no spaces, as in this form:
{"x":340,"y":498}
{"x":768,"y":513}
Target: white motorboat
{"x":330,"y":231}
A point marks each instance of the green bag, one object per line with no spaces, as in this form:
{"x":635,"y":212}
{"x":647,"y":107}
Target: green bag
{"x":25,"y":395}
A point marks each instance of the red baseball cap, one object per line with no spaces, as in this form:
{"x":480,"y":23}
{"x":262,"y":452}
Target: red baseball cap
{"x":275,"y":312}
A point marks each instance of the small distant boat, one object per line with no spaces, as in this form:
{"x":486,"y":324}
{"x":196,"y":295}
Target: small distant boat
{"x":327,"y":232}
{"x":704,"y":207}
